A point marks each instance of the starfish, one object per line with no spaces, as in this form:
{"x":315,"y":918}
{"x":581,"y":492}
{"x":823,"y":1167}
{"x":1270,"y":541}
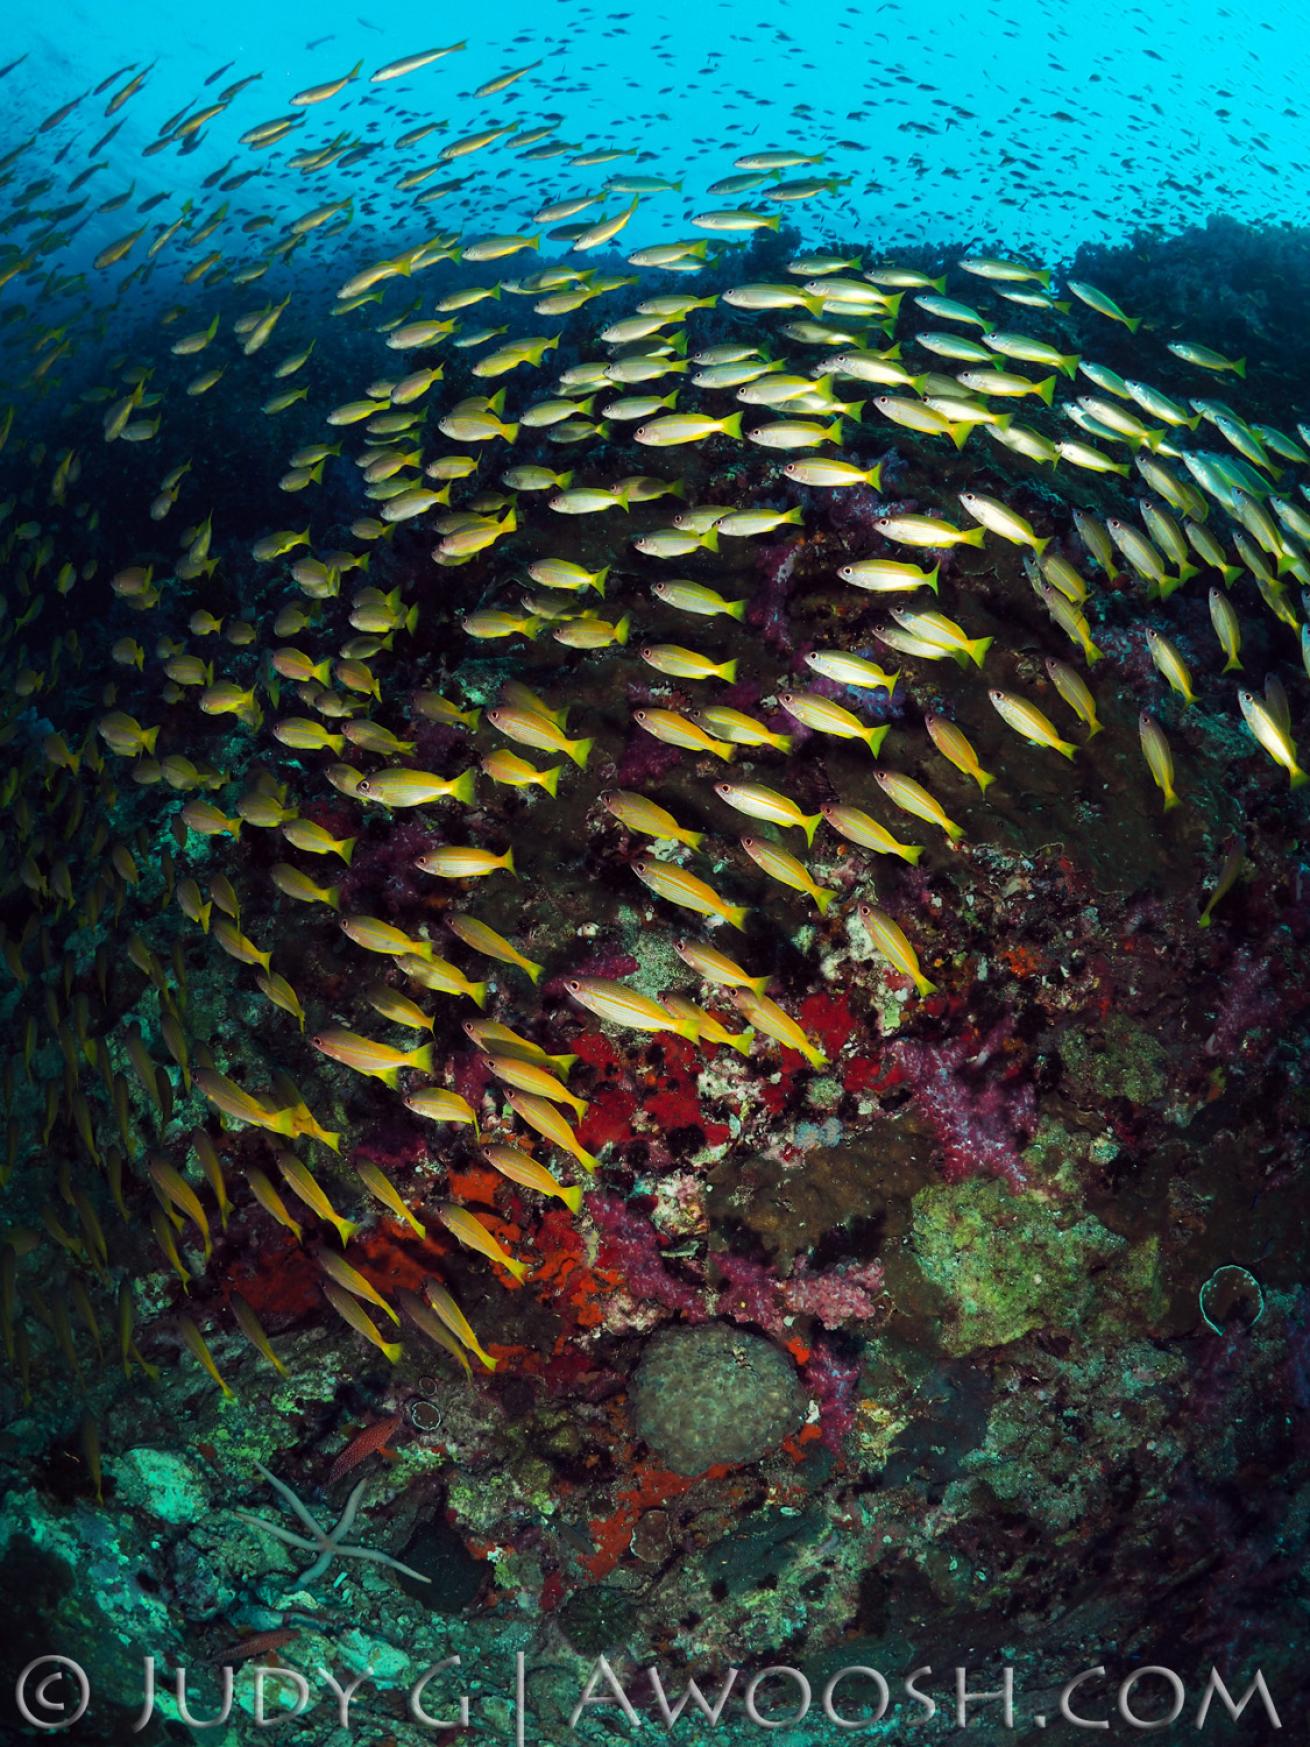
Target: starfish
{"x":328,"y":1544}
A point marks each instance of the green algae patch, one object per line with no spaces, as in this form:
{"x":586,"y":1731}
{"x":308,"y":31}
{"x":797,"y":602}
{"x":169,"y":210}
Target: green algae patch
{"x":1008,"y":1265}
{"x":162,"y":1483}
{"x":1122,"y":1061}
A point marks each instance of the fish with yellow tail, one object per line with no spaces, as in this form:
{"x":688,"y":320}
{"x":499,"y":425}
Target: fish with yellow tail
{"x":619,"y":1005}
{"x":766,"y":1016}
{"x":439,"y":1105}
{"x":197,"y":1347}
{"x":1159,"y":758}
{"x":471,"y":1232}
{"x":1026,"y":719}
{"x":709,"y":1029}
{"x":380,"y":1061}
{"x":350,"y":1279}
{"x":787,"y":871}
{"x":822,"y":716}
{"x":541,"y":1114}
{"x":1272,"y":734}
{"x":956,"y":747}
{"x":303,"y":1184}
{"x":667,"y":880}
{"x":349,"y":1309}
{"x":455,"y":1320}
{"x":521,"y":1168}
{"x":889,"y":938}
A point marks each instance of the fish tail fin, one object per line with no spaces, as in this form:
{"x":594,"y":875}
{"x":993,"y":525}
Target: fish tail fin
{"x":737,"y":610}
{"x":1170,"y":801}
{"x":959,"y":434}
{"x":722,"y":749}
{"x":954,"y":832}
{"x":1239,"y":367}
{"x":731,"y":426}
{"x":1046,"y":390}
{"x":823,"y":897}
{"x":508,"y":863}
{"x":978,"y":647}
{"x":346,"y":848}
{"x":1069,"y":364}
{"x":985,"y":779}
{"x":149,"y":738}
{"x":810,"y":823}
{"x":598,"y":581}
{"x":421,"y":1058}
{"x":477,"y":993}
{"x":934,"y":578}
{"x":728,"y":671}
{"x":1297,"y":778}
{"x":392,"y":1349}
{"x":534,"y":971}
{"x":550,"y":780}
{"x":346,"y":1229}
{"x":1093,"y":654}
{"x":331,"y":897}
{"x":736,"y":913}
{"x":622,"y":628}
{"x":572,"y":1197}
{"x":1232,"y":665}
{"x":463,"y":787}
{"x":741,"y":1040}
{"x":911,"y":852}
{"x":875,"y":737}
{"x":1066,"y":747}
{"x":579,"y":751}
{"x":973,"y":537}
{"x":1040,"y":544}
{"x":1133,"y":322}
{"x":925,"y":986}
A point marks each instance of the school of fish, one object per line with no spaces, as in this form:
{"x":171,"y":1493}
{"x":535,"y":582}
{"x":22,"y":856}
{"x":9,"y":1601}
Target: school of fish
{"x":569,"y":552}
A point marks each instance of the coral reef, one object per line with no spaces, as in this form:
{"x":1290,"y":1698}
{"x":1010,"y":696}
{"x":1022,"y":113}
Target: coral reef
{"x":707,"y":1396}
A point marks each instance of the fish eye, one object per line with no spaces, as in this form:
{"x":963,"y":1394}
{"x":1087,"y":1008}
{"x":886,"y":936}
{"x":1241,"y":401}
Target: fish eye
{"x":572,"y":985}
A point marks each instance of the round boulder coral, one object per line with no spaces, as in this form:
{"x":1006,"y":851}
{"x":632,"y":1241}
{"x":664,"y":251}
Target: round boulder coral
{"x":714,"y":1394}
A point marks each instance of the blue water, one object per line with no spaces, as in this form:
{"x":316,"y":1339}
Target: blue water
{"x":1036,"y":128}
